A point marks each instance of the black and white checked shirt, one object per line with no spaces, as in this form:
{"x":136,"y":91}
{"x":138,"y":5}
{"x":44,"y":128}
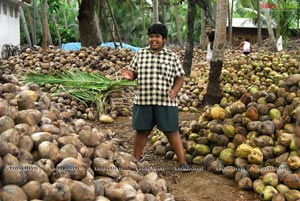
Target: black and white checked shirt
{"x":155,"y":76}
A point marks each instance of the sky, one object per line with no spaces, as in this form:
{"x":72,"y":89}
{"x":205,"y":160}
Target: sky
{"x":149,"y":1}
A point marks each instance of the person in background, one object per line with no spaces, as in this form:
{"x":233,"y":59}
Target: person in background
{"x":160,"y":77}
{"x":247,"y":48}
{"x":211,"y":38}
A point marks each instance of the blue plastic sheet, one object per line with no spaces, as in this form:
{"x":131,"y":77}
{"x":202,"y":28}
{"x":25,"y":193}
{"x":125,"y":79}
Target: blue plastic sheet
{"x":71,"y":46}
{"x":77,"y":46}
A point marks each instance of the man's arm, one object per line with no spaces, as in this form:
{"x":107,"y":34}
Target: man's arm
{"x":239,"y":46}
{"x":128,"y":74}
{"x":176,"y":87}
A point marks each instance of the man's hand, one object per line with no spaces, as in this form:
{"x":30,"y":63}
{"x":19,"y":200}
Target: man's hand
{"x":127,"y":74}
{"x":172,"y":94}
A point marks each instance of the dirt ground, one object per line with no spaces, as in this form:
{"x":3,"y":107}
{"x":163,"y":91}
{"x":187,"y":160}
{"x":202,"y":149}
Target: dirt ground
{"x":197,"y":185}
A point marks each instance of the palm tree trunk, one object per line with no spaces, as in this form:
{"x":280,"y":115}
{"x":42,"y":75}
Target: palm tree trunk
{"x":144,"y":28}
{"x":230,"y":14}
{"x":86,"y":26}
{"x":56,"y":29}
{"x":30,"y":20}
{"x":25,"y":27}
{"x":155,"y":11}
{"x":98,"y":28}
{"x":213,"y":94}
{"x":178,"y":26}
{"x":65,"y":17}
{"x":163,"y":9}
{"x":259,"y":42}
{"x":203,"y":30}
{"x":34,"y":22}
{"x":188,"y":55}
{"x":270,"y":29}
{"x":44,"y":25}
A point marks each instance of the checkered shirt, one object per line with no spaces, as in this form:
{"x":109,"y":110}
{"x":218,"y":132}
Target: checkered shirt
{"x":155,"y":76}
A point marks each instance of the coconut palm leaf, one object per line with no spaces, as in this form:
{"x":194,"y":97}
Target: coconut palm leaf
{"x":86,"y":87}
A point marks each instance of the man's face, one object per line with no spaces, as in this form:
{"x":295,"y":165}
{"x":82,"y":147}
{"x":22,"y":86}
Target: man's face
{"x":156,"y":41}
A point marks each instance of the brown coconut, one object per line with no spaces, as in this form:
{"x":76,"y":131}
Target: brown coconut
{"x":59,"y":192}
{"x":33,"y":190}
{"x":12,"y":193}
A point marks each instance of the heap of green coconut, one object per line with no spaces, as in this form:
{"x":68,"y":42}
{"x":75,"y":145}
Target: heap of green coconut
{"x":251,"y":135}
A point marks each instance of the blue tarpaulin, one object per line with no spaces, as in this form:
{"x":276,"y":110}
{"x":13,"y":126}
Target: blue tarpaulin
{"x":77,"y":46}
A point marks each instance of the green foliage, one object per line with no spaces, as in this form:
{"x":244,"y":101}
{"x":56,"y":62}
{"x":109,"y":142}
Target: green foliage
{"x":68,"y":35}
{"x":133,"y":17}
{"x":86,"y":87}
{"x":54,"y":5}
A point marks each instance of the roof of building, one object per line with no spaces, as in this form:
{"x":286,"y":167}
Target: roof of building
{"x":245,"y":23}
{"x":26,"y":2}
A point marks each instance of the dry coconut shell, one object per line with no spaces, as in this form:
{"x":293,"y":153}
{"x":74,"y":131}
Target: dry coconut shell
{"x":33,"y":190}
{"x":79,"y":190}
{"x":46,"y":165}
{"x":120,"y":191}
{"x":14,"y":174}
{"x":106,"y":119}
{"x":35,"y":173}
{"x":76,"y":168}
{"x":49,"y":150}
{"x":12,"y":193}
{"x":59,"y":192}
{"x":89,"y":138}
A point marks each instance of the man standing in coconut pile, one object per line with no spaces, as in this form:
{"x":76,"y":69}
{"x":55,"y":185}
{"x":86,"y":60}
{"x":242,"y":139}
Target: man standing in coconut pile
{"x":160,"y":77}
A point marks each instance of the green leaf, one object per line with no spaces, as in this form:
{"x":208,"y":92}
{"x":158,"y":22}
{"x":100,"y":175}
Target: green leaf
{"x":86,"y":87}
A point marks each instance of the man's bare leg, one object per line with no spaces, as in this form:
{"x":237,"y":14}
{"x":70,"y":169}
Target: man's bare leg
{"x":140,"y":142}
{"x":176,"y":144}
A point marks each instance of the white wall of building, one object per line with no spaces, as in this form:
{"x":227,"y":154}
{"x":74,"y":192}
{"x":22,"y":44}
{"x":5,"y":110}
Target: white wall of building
{"x":9,"y":23}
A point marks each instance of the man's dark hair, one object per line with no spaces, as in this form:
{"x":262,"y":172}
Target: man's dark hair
{"x":211,"y":36}
{"x":158,"y":29}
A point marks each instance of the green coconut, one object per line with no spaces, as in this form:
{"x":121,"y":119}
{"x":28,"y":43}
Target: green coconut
{"x":243,"y":150}
{"x":255,"y":156}
{"x":218,"y":112}
{"x":271,"y":179}
{"x":274,"y":113}
{"x":258,"y":186}
{"x":229,"y":130}
{"x":281,"y":188}
{"x":292,"y":195}
{"x":268,"y":193}
{"x":227,"y":156}
{"x":193,"y":136}
{"x":199,"y":160}
{"x":279,"y":149}
{"x":293,"y":146}
{"x":202,"y":149}
{"x":294,"y":162}
{"x":285,"y":139}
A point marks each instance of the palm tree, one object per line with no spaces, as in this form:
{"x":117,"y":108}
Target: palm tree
{"x":203,"y":34}
{"x":25,"y":27}
{"x":187,"y":63}
{"x":270,"y":29}
{"x":86,"y":26}
{"x":178,"y":26}
{"x":45,"y":26}
{"x":259,"y":39}
{"x":213,"y":94}
{"x":155,"y":11}
{"x":230,"y":15}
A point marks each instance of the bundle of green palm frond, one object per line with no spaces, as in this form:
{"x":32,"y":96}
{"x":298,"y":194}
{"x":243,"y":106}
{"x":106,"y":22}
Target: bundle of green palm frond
{"x":86,"y":87}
